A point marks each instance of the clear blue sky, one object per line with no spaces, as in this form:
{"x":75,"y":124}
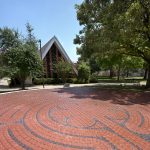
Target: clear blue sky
{"x":48,"y":17}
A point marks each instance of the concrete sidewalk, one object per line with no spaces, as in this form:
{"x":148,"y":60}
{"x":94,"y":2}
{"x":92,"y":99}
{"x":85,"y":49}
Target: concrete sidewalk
{"x":5,"y":88}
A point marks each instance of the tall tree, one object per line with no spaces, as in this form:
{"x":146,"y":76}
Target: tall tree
{"x":22,"y":60}
{"x":94,"y":65}
{"x":31,"y":39}
{"x":8,"y":38}
{"x":115,"y":27}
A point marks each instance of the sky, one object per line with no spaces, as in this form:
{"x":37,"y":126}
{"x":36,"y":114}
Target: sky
{"x":48,"y":18}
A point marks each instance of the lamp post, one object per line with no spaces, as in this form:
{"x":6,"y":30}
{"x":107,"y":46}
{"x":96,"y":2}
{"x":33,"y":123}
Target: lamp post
{"x":42,"y":60}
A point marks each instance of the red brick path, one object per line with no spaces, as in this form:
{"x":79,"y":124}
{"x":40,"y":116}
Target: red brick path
{"x":75,"y":118}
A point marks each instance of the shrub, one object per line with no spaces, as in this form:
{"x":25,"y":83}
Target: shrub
{"x":56,"y":81}
{"x":39,"y":81}
{"x":83,"y":73}
{"x":64,"y":69}
{"x":70,"y":80}
{"x":75,"y":80}
{"x":93,"y":78}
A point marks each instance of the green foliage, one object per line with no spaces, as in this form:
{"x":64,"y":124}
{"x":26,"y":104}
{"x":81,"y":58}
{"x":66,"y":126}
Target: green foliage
{"x":39,"y":81}
{"x":115,"y":29}
{"x":31,"y":39}
{"x":9,"y":38}
{"x":94,"y":64}
{"x":130,"y":62}
{"x":83,"y":72}
{"x":63,"y":69}
{"x":93,"y":78}
{"x":71,"y":80}
{"x":20,"y":60}
{"x":23,"y":61}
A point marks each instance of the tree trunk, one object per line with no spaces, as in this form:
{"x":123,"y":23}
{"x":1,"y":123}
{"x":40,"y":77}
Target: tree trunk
{"x":146,"y":74}
{"x":111,"y":73}
{"x":118,"y":74}
{"x":23,"y":84}
{"x":127,"y":73}
{"x":148,"y":80}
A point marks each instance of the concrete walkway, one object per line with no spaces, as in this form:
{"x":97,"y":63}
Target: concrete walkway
{"x":4,"y":85}
{"x":5,"y":88}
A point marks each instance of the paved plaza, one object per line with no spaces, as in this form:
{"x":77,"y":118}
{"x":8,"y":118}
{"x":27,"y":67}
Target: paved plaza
{"x":84,"y":118}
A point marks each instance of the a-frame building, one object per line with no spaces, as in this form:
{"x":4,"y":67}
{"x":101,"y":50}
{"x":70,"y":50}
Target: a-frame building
{"x":52,"y":52}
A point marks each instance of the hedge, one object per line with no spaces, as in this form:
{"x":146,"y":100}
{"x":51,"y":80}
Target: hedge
{"x":39,"y":81}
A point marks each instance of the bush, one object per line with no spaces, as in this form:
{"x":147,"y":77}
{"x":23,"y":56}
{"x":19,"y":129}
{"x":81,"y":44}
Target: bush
{"x":39,"y":81}
{"x":70,"y":80}
{"x":64,"y":69}
{"x":75,"y":81}
{"x":83,"y":73}
{"x":56,"y":81}
{"x":93,"y":78}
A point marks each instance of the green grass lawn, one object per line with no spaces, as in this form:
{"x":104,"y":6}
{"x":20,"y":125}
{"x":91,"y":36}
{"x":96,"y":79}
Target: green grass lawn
{"x":122,"y":80}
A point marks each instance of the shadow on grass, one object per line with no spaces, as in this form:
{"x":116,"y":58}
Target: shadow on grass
{"x":116,"y":95}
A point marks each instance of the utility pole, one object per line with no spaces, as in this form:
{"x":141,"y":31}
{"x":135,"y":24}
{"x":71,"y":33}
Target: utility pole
{"x":42,"y":60}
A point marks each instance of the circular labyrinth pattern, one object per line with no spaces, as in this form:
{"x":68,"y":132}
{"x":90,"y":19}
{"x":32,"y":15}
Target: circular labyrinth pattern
{"x":57,"y":119}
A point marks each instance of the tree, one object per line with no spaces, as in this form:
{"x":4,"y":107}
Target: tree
{"x":63,"y":69}
{"x":31,"y":39}
{"x":115,"y":28}
{"x":22,"y":60}
{"x":8,"y":38}
{"x":145,"y":66}
{"x":94,"y":65}
{"x":130,"y":62}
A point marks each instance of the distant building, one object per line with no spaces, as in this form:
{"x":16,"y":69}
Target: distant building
{"x":52,"y":52}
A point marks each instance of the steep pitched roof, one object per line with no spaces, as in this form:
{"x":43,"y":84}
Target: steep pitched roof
{"x":55,"y":41}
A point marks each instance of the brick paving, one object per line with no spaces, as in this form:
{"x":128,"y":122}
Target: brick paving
{"x":75,"y":118}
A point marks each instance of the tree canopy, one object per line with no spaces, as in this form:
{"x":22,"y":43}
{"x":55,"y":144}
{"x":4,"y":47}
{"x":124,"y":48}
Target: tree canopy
{"x":114,"y":28}
{"x":19,"y":56}
{"x":9,"y":38}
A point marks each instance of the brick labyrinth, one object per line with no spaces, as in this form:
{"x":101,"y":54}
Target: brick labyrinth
{"x":79,"y":118}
